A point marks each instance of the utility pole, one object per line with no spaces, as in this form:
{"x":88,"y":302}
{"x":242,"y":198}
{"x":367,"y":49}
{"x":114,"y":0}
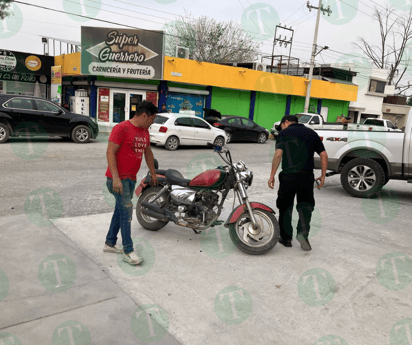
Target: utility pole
{"x":284,"y":41}
{"x":315,"y":38}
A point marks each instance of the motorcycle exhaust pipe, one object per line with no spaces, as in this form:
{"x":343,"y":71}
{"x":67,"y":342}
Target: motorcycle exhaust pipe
{"x":152,"y":207}
{"x":156,"y":215}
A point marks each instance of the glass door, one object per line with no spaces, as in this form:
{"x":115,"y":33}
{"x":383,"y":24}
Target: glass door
{"x":119,"y":106}
{"x":135,"y":99}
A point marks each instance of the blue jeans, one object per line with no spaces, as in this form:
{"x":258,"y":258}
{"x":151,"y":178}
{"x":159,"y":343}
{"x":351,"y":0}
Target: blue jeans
{"x":122,"y":216}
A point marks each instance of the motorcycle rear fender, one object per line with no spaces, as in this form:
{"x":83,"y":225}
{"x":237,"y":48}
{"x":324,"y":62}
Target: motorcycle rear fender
{"x":234,"y":216}
{"x":161,"y":179}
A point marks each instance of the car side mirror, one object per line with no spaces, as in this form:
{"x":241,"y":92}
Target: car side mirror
{"x":312,"y":122}
{"x":60,"y":112}
{"x":156,"y":164}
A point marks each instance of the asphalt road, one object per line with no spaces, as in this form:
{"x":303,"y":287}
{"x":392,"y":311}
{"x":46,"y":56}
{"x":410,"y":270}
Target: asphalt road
{"x":76,"y":172}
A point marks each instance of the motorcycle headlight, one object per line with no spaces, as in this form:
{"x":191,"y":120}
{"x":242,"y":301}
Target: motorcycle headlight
{"x":247,"y":177}
{"x":241,"y":166}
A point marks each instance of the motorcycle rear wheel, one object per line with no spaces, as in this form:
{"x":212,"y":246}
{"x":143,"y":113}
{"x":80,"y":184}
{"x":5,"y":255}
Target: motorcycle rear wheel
{"x":263,"y":241}
{"x":147,"y":222}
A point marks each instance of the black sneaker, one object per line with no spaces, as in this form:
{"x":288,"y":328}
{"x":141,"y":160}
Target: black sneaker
{"x":286,"y":243}
{"x":304,"y":242}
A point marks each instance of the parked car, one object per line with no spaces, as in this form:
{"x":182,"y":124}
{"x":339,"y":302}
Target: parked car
{"x":32,"y":116}
{"x":241,"y":128}
{"x":172,"y":130}
{"x":386,"y":124}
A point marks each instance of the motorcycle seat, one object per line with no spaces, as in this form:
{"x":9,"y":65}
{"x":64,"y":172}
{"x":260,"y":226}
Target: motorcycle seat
{"x":173,"y":177}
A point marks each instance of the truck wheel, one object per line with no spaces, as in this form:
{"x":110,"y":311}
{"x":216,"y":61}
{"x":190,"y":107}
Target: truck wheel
{"x":362,"y":176}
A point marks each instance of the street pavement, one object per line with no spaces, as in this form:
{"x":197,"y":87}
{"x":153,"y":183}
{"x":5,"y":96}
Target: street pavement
{"x":57,"y":286}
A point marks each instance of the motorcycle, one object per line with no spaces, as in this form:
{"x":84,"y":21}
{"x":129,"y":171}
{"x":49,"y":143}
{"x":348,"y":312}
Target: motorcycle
{"x":197,"y":204}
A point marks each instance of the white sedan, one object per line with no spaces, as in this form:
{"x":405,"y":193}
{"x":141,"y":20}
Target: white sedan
{"x":172,"y":130}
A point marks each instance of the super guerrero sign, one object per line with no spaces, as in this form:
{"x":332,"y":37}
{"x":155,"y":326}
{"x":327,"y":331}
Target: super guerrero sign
{"x":122,"y":53}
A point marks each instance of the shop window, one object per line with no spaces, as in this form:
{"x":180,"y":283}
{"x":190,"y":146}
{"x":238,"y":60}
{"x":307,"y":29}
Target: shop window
{"x":377,"y":86}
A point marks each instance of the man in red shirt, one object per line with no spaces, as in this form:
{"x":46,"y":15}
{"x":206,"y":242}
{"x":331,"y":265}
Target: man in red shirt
{"x":128,"y":142}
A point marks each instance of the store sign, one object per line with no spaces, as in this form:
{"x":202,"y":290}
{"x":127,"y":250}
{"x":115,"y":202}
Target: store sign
{"x":177,"y":102}
{"x":104,"y":105}
{"x":24,"y":67}
{"x":122,"y":53}
{"x":56,"y":75}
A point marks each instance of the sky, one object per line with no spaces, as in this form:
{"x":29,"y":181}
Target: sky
{"x":349,"y":20}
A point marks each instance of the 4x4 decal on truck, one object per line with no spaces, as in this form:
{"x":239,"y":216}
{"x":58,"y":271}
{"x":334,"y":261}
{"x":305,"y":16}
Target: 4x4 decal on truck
{"x":337,"y":139}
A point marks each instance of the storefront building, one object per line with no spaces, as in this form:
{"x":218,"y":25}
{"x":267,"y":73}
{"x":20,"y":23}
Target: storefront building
{"x":116,"y":87}
{"x":25,"y":74}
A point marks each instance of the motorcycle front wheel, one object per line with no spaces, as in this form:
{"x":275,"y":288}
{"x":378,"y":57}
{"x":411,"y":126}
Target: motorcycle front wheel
{"x":147,"y":222}
{"x":255,"y":241}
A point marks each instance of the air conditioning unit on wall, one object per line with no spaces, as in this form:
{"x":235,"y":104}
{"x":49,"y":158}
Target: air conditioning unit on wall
{"x":258,"y":66}
{"x":182,"y":52}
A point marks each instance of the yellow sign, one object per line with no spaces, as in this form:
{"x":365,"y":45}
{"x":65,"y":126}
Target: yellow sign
{"x":56,"y":75}
{"x":33,"y":63}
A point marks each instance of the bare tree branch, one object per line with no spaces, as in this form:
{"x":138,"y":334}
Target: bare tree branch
{"x":211,"y":41}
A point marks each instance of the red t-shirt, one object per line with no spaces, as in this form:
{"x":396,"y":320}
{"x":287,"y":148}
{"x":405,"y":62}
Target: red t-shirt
{"x":133,"y":142}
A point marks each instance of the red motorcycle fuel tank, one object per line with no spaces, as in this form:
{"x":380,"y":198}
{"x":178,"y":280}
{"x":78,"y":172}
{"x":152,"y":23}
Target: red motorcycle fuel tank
{"x":210,"y":179}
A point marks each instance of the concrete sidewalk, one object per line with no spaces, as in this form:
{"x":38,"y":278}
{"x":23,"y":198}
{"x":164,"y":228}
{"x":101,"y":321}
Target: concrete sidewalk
{"x":352,"y":288}
{"x":51,"y":292}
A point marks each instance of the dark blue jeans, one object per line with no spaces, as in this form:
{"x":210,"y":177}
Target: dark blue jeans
{"x":122,"y":216}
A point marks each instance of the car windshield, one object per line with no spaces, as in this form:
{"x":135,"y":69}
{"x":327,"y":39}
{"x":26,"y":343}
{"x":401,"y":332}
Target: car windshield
{"x":302,"y":118}
{"x":160,"y":119}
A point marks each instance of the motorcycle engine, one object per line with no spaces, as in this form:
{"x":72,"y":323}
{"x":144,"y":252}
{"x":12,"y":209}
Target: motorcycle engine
{"x":202,"y":207}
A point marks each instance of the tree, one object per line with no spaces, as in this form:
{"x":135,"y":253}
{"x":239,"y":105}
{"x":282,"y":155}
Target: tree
{"x":4,"y":6}
{"x":391,"y":52}
{"x":210,"y":41}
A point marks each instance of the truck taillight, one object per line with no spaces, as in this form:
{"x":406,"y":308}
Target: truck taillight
{"x":163,"y":129}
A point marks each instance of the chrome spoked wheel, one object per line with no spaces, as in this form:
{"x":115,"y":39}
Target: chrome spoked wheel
{"x":82,"y":134}
{"x":219,"y":141}
{"x":147,"y":222}
{"x":362,"y":178}
{"x":255,"y":241}
{"x":2,"y":133}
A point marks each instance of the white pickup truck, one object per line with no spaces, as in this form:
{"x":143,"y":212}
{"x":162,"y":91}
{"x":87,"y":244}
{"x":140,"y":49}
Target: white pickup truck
{"x":314,"y":121}
{"x":367,"y":159}
{"x":386,"y":124}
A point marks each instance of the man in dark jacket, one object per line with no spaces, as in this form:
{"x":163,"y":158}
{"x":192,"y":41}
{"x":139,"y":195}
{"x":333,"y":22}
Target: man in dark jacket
{"x":295,"y":147}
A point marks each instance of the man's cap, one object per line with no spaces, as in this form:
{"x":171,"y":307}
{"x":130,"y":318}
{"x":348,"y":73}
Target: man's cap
{"x":291,"y":118}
